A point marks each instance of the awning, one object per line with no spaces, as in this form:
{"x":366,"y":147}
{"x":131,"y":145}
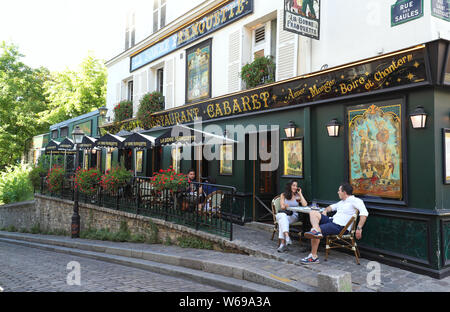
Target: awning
{"x":67,"y":144}
{"x":88,"y":143}
{"x":110,"y":140}
{"x":52,"y":147}
{"x":182,"y":135}
{"x":138,"y":140}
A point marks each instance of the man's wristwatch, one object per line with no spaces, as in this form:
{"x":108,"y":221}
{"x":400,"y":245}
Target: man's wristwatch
{"x":358,"y":228}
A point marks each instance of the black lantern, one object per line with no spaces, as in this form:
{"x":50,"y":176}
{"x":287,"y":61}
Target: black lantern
{"x":290,"y":129}
{"x":418,"y":118}
{"x":333,"y":128}
{"x":103,"y":110}
{"x":77,"y":135}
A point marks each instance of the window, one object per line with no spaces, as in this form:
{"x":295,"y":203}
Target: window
{"x":54,"y":134}
{"x":130,"y":91}
{"x":130,"y":31}
{"x":64,"y":132}
{"x":160,"y":80}
{"x":264,"y":39}
{"x":159,"y":14}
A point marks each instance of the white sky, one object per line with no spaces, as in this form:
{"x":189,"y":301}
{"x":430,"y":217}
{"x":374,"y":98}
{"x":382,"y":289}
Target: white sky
{"x":59,"y":33}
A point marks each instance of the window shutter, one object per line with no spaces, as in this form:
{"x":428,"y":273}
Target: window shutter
{"x":117,"y":93}
{"x":287,"y":51}
{"x":234,"y":61}
{"x":136,"y":93}
{"x":169,"y":74}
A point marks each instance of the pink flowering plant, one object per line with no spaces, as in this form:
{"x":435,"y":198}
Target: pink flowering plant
{"x":150,"y":103}
{"x":123,"y":111}
{"x":169,"y":180}
{"x":87,"y":181}
{"x":115,"y":178}
{"x":55,"y":177}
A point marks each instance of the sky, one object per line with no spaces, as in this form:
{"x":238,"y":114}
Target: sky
{"x":58,"y":34}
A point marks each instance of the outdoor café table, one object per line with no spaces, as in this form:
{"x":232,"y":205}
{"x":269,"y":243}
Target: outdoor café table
{"x":305,"y":211}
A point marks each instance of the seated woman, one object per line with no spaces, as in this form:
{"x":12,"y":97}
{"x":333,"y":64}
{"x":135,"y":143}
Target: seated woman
{"x":289,"y":198}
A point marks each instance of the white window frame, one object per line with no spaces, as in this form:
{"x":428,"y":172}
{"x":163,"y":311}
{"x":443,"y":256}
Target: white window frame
{"x":158,"y":5}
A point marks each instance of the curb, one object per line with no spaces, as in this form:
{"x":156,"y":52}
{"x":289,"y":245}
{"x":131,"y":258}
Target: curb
{"x":251,"y":276}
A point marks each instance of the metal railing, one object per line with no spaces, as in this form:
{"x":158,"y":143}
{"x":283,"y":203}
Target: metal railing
{"x":205,"y":207}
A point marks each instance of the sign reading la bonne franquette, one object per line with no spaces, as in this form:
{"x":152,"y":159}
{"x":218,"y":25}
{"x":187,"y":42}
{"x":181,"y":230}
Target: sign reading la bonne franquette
{"x":224,"y":15}
{"x":302,"y":17}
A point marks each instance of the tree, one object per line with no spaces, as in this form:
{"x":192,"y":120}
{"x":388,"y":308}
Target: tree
{"x":74,"y":93}
{"x":21,"y":100}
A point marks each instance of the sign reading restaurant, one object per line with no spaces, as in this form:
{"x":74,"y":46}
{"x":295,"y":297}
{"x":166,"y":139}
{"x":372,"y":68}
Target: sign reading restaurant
{"x":225,"y":14}
{"x":397,"y":70}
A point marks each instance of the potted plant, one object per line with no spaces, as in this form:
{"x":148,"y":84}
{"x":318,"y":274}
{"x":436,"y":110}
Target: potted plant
{"x":87,"y":181}
{"x":169,"y":180}
{"x":115,"y":178}
{"x":260,"y":71}
{"x":55,"y":178}
{"x":123,"y":111}
{"x":150,"y":103}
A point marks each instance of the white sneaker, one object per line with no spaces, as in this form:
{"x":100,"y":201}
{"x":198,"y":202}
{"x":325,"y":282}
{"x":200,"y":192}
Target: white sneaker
{"x":288,"y":241}
{"x":282,"y":248}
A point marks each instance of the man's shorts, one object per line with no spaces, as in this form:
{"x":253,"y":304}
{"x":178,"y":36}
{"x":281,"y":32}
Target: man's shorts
{"x":327,"y":227}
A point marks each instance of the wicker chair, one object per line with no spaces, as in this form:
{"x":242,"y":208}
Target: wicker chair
{"x":214,"y":203}
{"x":342,"y":240}
{"x":276,"y":206}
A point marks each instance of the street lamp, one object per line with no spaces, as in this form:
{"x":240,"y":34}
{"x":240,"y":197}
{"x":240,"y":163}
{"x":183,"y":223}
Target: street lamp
{"x":77,"y":135}
{"x":102,"y":111}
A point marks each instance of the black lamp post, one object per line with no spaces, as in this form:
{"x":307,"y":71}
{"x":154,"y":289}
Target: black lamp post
{"x":77,"y":135}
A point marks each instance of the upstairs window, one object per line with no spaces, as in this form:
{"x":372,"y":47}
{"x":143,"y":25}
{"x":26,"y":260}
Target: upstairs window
{"x":130,"y":91}
{"x":64,"y":132}
{"x":160,"y":80}
{"x":54,"y":134}
{"x":130,"y":31}
{"x":159,"y":14}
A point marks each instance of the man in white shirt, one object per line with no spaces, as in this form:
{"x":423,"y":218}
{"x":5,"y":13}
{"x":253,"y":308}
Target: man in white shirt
{"x":322,"y":225}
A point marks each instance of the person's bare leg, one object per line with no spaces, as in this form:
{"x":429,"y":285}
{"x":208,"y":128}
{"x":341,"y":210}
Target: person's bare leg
{"x":314,"y":247}
{"x":314,"y":218}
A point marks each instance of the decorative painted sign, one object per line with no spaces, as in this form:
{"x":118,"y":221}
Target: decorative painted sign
{"x":406,"y":10}
{"x":440,"y":9}
{"x":398,"y":70}
{"x":293,"y":158}
{"x":198,"y":72}
{"x":375,"y":150}
{"x":228,"y":13}
{"x":226,"y":159}
{"x":302,"y":17}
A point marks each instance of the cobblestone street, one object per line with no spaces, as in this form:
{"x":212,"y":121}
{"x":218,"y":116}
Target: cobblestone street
{"x":24,"y":269}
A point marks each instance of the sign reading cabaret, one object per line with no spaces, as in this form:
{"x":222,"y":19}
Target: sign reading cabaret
{"x":379,"y":74}
{"x":302,"y":17}
{"x":230,"y":12}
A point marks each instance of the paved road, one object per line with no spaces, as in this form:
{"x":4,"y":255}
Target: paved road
{"x":24,"y":269}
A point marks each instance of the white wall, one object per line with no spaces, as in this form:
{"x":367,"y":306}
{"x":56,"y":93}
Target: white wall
{"x":350,"y":30}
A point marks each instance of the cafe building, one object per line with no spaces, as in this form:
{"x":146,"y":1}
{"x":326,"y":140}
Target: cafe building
{"x":377,"y":118}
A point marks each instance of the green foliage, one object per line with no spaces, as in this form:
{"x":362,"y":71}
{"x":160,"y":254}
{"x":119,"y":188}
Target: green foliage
{"x":36,"y":174}
{"x":150,"y":103}
{"x":115,"y":178}
{"x":55,"y":178}
{"x":73,"y":93}
{"x":123,"y":111}
{"x":87,"y":181}
{"x":15,"y":185}
{"x":194,"y":242}
{"x":21,"y":101}
{"x":260,"y":71}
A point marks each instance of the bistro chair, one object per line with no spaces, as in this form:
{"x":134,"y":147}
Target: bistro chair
{"x":342,"y":240}
{"x":276,"y":206}
{"x":214,"y":203}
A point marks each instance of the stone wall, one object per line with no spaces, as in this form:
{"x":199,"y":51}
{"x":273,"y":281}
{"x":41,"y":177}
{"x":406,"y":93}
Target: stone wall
{"x":56,"y":214}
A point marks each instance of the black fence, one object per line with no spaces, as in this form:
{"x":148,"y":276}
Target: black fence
{"x":205,"y":207}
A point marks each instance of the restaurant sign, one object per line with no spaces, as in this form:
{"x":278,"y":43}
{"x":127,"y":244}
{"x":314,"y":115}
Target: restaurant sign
{"x":406,"y":10}
{"x":402,"y":69}
{"x":302,"y":17}
{"x":228,"y":13}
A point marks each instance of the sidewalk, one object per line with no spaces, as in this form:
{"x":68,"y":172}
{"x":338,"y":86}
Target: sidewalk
{"x":265,"y":266}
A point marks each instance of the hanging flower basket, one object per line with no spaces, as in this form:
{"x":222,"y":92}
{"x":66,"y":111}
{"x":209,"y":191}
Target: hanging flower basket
{"x":260,"y":71}
{"x":123,"y":111}
{"x":149,"y":104}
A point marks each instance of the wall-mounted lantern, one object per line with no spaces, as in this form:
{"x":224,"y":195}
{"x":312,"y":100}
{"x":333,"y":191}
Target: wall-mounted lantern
{"x":418,"y":118}
{"x":290,"y":130}
{"x":333,"y":128}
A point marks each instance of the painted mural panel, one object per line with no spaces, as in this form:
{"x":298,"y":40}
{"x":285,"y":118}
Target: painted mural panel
{"x":375,"y":150}
{"x":198,"y":82}
{"x":293,"y":158}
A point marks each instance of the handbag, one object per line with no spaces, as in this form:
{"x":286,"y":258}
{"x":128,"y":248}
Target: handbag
{"x":288,"y":212}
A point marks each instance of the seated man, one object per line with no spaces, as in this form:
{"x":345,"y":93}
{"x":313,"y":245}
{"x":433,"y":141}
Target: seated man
{"x":323,"y":225}
{"x":193,"y":195}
